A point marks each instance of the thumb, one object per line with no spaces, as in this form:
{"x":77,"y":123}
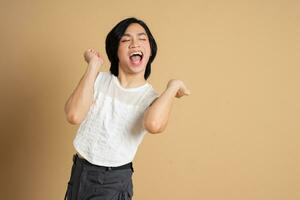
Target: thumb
{"x":187,"y":92}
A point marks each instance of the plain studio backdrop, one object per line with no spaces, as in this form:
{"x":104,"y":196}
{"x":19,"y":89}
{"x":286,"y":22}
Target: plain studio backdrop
{"x":236,"y":137}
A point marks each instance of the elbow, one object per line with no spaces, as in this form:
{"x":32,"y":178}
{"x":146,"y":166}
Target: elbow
{"x":71,"y":116}
{"x":73,"y":119}
{"x":153,"y":127}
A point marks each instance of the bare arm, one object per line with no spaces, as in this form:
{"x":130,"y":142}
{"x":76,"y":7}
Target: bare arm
{"x":157,"y":115}
{"x":78,"y":104}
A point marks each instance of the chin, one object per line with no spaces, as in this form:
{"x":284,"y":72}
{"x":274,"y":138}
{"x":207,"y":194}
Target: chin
{"x":138,"y":70}
{"x":140,"y":66}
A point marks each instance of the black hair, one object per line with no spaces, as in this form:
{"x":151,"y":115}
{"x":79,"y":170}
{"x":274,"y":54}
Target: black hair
{"x":112,"y":44}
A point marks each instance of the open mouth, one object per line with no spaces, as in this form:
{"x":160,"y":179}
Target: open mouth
{"x":136,"y":57}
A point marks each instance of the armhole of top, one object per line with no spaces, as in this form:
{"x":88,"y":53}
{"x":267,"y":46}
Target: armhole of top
{"x":153,"y":98}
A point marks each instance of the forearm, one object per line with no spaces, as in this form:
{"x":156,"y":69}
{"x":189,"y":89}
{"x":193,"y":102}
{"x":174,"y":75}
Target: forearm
{"x":81,"y":98}
{"x":159,"y":112}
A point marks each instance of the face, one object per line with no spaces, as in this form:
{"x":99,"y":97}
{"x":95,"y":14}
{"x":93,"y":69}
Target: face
{"x":134,"y":49}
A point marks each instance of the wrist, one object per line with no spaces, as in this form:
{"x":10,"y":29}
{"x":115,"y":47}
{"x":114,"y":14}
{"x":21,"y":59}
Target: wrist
{"x":172,"y":89}
{"x":93,"y":67}
{"x":95,"y":62}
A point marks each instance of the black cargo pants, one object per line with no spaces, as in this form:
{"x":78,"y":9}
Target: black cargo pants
{"x":93,"y":182}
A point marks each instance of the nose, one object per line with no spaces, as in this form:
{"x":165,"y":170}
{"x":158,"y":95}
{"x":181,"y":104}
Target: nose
{"x":134,"y":43}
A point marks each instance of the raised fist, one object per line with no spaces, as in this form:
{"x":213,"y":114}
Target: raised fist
{"x":92,"y":55}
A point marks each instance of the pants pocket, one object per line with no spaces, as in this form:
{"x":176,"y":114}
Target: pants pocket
{"x":129,"y":189}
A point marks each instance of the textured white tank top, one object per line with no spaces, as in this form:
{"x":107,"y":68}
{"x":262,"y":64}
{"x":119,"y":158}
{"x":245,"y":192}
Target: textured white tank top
{"x":113,"y":128}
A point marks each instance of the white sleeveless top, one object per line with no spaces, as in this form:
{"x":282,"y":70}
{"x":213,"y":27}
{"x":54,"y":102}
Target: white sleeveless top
{"x":113,"y":128}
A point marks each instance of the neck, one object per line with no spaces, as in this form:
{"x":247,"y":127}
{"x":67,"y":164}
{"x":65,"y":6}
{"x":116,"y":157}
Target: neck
{"x":131,"y":80}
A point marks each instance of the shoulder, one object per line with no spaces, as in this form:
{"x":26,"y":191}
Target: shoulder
{"x":103,"y":74}
{"x":103,"y":77}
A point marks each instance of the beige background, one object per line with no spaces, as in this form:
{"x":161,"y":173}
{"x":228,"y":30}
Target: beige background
{"x":236,"y":137}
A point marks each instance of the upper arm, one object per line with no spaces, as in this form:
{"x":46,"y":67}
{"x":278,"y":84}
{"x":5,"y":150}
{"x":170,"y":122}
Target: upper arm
{"x":147,"y":124}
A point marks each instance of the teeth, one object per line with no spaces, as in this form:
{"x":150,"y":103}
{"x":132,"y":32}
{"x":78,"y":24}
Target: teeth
{"x":136,"y":53}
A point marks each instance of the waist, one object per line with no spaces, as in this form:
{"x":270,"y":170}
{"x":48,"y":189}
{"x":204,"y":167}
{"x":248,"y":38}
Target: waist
{"x":77,"y":157}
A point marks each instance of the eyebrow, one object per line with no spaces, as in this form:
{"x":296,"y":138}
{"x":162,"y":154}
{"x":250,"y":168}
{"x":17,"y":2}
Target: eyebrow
{"x":139,"y":34}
